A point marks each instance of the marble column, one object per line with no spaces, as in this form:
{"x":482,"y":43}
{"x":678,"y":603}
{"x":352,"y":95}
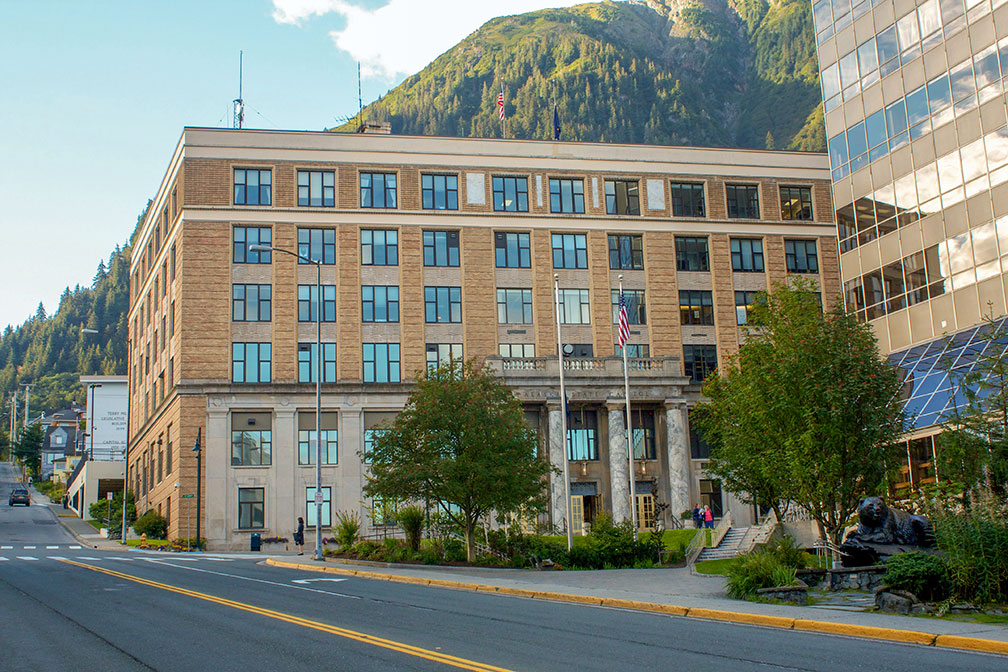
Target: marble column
{"x":678,"y":456}
{"x":558,"y":498}
{"x":619,"y":463}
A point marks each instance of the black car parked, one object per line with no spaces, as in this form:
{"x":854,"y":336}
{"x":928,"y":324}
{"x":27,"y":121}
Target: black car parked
{"x":19,"y":496}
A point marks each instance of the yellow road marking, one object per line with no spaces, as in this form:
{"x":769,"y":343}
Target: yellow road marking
{"x":400,"y":647}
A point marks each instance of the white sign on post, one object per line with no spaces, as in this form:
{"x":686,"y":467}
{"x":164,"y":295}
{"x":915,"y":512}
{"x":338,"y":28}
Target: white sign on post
{"x":108,"y":495}
{"x":318,"y":496}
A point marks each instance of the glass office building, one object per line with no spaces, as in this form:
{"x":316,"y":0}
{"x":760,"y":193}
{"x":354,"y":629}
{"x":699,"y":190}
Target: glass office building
{"x":915,"y":113}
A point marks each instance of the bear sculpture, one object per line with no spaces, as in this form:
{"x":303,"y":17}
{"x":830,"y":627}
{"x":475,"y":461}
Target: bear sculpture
{"x":882,"y":532}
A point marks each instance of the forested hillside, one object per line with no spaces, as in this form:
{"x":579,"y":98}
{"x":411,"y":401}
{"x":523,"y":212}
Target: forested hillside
{"x":681,"y":72}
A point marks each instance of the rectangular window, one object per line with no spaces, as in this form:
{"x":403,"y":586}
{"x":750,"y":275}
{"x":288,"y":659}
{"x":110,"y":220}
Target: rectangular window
{"x":699,"y":449}
{"x":570,"y":250}
{"x":442,"y":353}
{"x":251,"y":303}
{"x":381,"y":362}
{"x":622,"y":197}
{"x":687,"y":199}
{"x":378,"y":190}
{"x":318,"y":245}
{"x":380,"y":303}
{"x":574,"y":306}
{"x":308,"y":364}
{"x":743,"y":201}
{"x":383,"y":511}
{"x":696,"y":306}
{"x":250,"y":362}
{"x":634,"y":350}
{"x":743,"y":303}
{"x":311,"y":509}
{"x":308,"y":303}
{"x":379,"y":247}
{"x":441,"y":248}
{"x":316,"y":188}
{"x":171,"y":373}
{"x":171,"y":264}
{"x":442,"y":304}
{"x":512,"y":250}
{"x":796,"y":203}
{"x":626,"y":252}
{"x":801,"y":256}
{"x":566,"y":196}
{"x":439,"y":192}
{"x":643,"y":426}
{"x":374,"y":422}
{"x":252,"y":187}
{"x":699,"y":361}
{"x":517,"y":350}
{"x":514,"y":306}
{"x":510,"y":194}
{"x":251,"y":508}
{"x":168,"y":451}
{"x":306,"y":437}
{"x":692,"y":253}
{"x":747,"y":255}
{"x":251,"y":439}
{"x":581,"y":432}
{"x":244,"y":237}
{"x":634,"y":299}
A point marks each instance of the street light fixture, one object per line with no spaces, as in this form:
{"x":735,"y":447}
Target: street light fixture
{"x":317,"y":555}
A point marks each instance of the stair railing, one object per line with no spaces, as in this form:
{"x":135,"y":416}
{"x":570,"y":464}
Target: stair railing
{"x":759,"y":535}
{"x":695,"y":547}
{"x":721,"y":530}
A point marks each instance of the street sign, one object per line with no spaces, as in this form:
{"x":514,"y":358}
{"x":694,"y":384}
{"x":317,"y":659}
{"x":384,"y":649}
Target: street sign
{"x":187,"y":496}
{"x":108,"y":495}
{"x":318,"y":497}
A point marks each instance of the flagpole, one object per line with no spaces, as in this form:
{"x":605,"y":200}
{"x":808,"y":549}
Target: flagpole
{"x":563,"y":416}
{"x":629,"y":430}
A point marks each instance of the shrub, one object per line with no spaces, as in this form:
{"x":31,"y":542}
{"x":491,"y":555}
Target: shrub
{"x":926,"y":575}
{"x":152,"y":524}
{"x":411,"y":520}
{"x":454,"y":550}
{"x":975,"y":543}
{"x":348,"y":526}
{"x":366,"y":549}
{"x":759,"y":569}
{"x":784,"y":549}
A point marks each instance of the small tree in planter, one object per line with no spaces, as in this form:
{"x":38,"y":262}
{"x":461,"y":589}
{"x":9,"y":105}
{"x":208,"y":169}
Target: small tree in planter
{"x":411,"y":520}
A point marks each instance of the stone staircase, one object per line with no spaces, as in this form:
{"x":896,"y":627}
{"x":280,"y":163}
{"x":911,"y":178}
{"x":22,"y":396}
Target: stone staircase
{"x":729,"y":546}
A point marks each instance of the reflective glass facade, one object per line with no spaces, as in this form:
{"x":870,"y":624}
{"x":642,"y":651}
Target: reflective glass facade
{"x":914,"y":96}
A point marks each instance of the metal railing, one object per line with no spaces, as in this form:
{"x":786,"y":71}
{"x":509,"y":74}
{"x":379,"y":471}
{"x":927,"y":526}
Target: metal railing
{"x":721,"y":530}
{"x":824,"y":547}
{"x":759,"y":534}
{"x":695,"y":547}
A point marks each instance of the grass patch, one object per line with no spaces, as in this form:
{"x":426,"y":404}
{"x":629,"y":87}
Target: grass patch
{"x":96,"y":524}
{"x":720,"y":566}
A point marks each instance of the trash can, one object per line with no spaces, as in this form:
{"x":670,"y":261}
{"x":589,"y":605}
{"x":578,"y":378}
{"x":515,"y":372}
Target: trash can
{"x":255,"y":542}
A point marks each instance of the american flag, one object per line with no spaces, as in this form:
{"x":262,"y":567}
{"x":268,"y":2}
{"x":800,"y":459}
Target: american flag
{"x":624,"y":322}
{"x":500,"y":104}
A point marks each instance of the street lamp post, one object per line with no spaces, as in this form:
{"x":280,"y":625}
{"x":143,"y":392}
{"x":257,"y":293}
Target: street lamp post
{"x":318,"y":387}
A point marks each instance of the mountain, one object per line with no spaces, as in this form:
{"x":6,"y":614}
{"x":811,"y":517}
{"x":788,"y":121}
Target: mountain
{"x":723,"y":73}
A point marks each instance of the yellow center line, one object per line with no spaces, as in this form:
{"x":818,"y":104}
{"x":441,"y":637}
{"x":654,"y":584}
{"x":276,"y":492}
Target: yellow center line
{"x":417,"y":651}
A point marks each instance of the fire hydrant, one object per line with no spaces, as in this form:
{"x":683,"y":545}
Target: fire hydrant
{"x":143,"y":541}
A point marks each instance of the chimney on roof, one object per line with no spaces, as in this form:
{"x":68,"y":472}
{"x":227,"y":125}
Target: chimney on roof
{"x":379,"y":127}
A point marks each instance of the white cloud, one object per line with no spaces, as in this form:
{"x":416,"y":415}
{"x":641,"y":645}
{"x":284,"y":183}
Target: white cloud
{"x":403,"y":36}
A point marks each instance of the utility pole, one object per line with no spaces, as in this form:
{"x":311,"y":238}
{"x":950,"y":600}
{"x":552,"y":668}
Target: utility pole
{"x":13,"y":426}
{"x":198,"y":451}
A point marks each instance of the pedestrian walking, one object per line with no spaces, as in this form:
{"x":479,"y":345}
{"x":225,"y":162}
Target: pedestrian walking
{"x":299,"y":536}
{"x":697,"y":518}
{"x":708,"y":517}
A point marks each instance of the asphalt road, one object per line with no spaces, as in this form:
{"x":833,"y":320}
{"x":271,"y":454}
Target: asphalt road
{"x":83,"y":609}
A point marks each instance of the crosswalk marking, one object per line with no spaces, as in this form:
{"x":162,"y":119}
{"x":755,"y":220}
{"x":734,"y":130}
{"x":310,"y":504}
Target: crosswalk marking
{"x":87,"y":557}
{"x":74,"y":548}
{"x":6,"y":548}
{"x":57,"y":557}
{"x":26,"y":557}
{"x":29,"y":548}
{"x":3,"y":559}
{"x":50,"y":548}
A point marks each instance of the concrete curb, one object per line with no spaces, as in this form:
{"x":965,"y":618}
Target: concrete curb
{"x":825,"y":627}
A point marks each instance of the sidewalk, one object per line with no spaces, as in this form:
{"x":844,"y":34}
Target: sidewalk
{"x":675,"y":591}
{"x":81,"y":530}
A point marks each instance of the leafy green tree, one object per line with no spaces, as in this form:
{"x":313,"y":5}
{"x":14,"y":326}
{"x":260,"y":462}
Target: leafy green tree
{"x":461,"y":443}
{"x":808,"y":412}
{"x":100,"y":511}
{"x":973,"y":448}
{"x":28,"y":449}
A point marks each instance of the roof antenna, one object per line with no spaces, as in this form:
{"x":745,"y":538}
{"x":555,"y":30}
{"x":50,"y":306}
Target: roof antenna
{"x":360,"y":100}
{"x":239,"y":104}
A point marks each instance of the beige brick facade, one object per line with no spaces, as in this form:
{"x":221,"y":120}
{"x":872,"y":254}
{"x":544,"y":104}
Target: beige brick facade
{"x":200,"y":229}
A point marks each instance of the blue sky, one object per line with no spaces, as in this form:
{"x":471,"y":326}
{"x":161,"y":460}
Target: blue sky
{"x":94,"y":95}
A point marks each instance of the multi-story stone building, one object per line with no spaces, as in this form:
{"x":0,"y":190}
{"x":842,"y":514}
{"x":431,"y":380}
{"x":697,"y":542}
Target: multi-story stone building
{"x":918,"y":145}
{"x":433,"y":247}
